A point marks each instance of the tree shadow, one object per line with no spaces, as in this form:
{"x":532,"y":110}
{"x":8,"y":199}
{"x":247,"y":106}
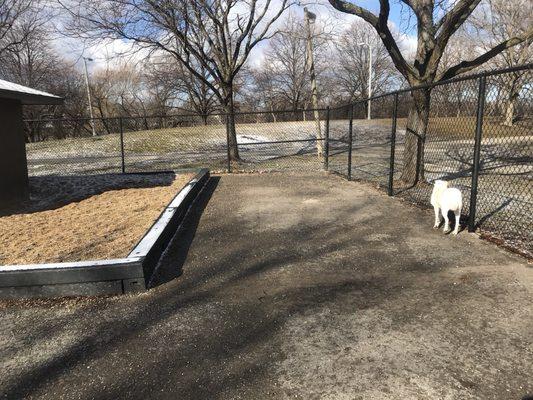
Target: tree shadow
{"x":493,"y":212}
{"x":216,"y":330}
{"x":249,"y":327}
{"x":55,"y":191}
{"x":493,"y":161}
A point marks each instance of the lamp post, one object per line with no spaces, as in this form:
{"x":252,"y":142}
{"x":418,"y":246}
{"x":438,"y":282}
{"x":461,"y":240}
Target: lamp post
{"x":369,"y":115}
{"x":311,"y":18}
{"x":85,"y":59}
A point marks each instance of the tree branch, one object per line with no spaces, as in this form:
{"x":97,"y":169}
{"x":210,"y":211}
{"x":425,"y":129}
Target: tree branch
{"x":350,"y":8}
{"x":380,"y":25}
{"x":466,"y":66}
{"x":455,"y":18}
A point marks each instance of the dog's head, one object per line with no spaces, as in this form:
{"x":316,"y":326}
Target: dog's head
{"x":441,"y":184}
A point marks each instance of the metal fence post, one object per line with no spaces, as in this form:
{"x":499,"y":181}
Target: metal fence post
{"x":390,"y":190}
{"x":227,"y":144}
{"x":326,"y":141}
{"x":123,"y":160}
{"x":350,"y":140}
{"x":477,"y":152}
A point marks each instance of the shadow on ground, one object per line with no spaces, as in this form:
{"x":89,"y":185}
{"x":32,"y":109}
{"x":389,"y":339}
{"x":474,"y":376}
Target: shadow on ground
{"x":171,"y":263}
{"x":54,"y":191}
{"x":291,"y":286}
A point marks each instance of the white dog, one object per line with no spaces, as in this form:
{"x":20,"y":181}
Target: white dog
{"x":446,"y":199}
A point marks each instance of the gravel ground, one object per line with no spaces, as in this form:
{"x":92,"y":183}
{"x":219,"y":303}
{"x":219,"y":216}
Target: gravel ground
{"x":290,"y":286}
{"x":83,"y":218}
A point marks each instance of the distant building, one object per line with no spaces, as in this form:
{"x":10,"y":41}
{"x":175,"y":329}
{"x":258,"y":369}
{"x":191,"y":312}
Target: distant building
{"x":13,"y":163}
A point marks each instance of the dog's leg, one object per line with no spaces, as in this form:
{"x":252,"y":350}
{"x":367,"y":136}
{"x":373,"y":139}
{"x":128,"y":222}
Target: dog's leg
{"x":446,"y":220}
{"x":437,"y":217}
{"x":457,"y":217}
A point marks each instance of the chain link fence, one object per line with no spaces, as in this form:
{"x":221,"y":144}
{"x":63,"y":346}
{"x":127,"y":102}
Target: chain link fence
{"x":477,"y":135}
{"x":70,"y":148}
{"x":280,"y":141}
{"x":174,"y":142}
{"x":266,"y":141}
{"x":475,"y":132}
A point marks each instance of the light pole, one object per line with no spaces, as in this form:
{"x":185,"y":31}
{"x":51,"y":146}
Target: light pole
{"x":369,"y":116}
{"x":85,"y":59}
{"x":310,"y":18}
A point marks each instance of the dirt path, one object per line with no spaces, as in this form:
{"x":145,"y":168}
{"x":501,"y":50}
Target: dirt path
{"x":293,"y":287}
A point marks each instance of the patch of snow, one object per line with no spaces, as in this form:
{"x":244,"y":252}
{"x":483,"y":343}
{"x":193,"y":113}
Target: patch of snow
{"x":251,"y":138}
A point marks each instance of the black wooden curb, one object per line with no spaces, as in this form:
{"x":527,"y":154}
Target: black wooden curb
{"x":102,"y":277}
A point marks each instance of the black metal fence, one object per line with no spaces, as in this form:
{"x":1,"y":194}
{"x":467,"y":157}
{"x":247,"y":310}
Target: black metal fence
{"x":478,"y":136}
{"x":267,"y":141}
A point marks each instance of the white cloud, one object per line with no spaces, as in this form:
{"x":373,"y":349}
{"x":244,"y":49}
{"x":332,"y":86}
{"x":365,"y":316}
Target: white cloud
{"x":338,"y":22}
{"x":407,"y":43}
{"x":108,"y":53}
{"x":111,"y":53}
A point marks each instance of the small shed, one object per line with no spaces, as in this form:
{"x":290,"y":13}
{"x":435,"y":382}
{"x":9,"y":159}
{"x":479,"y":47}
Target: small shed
{"x":13,"y":163}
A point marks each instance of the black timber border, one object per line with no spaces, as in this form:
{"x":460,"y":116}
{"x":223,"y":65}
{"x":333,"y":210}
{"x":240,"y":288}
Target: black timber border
{"x":104,"y":277}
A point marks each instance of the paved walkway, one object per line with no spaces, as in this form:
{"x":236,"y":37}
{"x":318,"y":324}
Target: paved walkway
{"x":303,"y":286}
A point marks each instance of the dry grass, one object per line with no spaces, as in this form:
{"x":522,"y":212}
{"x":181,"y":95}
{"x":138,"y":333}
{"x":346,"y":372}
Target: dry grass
{"x":203,"y":138}
{"x":166,"y":139}
{"x":100,"y":221}
{"x":464,"y":127}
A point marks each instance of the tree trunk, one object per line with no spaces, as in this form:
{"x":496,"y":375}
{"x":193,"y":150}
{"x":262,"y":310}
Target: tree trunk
{"x":512,"y":96}
{"x":106,"y":125}
{"x":509,"y":113}
{"x":231,"y":131}
{"x":34,"y":132}
{"x":274,"y":117}
{"x":415,"y":137}
{"x":509,"y":109}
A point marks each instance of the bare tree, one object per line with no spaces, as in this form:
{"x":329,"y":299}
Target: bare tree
{"x":351,"y":63}
{"x":454,"y":98}
{"x":216,"y":35}
{"x":160,"y":85}
{"x":286,"y":64}
{"x":264,"y":92}
{"x":180,"y":88}
{"x":493,"y":22}
{"x":433,"y":37}
{"x":31,"y":60}
{"x":198,"y":95}
{"x":117,"y":92}
{"x":13,"y":13}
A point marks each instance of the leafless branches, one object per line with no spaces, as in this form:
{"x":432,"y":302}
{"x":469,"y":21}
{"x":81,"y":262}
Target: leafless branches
{"x":351,"y":63}
{"x":433,"y":37}
{"x":18,"y":19}
{"x":214,"y":36}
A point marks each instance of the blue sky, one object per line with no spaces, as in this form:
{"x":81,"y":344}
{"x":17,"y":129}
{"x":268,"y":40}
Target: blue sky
{"x":398,"y":12}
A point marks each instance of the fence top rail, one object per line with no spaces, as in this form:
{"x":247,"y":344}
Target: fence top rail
{"x":176,"y":116}
{"x":495,"y":72}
